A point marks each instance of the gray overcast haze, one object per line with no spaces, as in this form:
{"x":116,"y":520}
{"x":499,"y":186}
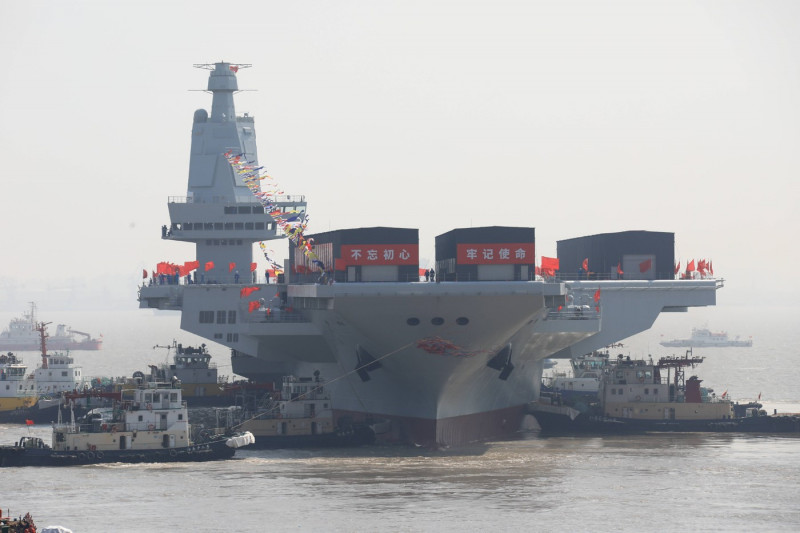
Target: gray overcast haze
{"x":574,"y":117}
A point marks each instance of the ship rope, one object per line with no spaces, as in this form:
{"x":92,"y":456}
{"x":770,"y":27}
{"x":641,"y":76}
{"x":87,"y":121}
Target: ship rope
{"x":334,"y":380}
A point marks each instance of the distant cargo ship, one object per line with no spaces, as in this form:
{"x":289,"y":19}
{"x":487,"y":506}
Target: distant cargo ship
{"x":21,"y":335}
{"x":705,"y":338}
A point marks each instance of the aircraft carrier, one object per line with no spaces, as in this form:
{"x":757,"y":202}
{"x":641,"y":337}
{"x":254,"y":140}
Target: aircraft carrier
{"x":434,"y":363}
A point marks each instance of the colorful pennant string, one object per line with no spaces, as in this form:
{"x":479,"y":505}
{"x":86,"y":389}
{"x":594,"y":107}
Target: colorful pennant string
{"x":292,"y":223}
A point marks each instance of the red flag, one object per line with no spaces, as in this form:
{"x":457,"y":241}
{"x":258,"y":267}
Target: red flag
{"x":209,"y":265}
{"x":231,"y":266}
{"x":247,"y":291}
{"x":234,"y":68}
{"x":191,"y":265}
{"x":166,"y":268}
{"x":585,"y":264}
{"x":690,"y":266}
{"x":252,"y":306}
{"x":677,"y":267}
{"x":619,"y":269}
{"x":29,"y":422}
{"x":550,"y":263}
{"x":759,"y":397}
{"x":711,"y":268}
{"x":144,"y":273}
{"x":253,"y":267}
{"x":597,"y":295}
{"x":644,"y":266}
{"x":725,"y":393}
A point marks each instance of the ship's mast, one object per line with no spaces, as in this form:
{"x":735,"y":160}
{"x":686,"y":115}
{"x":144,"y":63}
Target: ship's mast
{"x":41,"y":327}
{"x":222,"y":84}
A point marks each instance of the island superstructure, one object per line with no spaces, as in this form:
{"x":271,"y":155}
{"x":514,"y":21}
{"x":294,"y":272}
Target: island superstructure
{"x":444,"y":362}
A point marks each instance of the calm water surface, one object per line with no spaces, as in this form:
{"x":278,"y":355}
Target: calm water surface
{"x":670,"y":482}
{"x":659,"y":483}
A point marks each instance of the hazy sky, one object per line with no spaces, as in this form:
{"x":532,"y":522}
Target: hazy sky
{"x":574,"y":117}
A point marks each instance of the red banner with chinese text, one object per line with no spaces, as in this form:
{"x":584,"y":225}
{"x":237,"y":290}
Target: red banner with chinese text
{"x":379,"y":254}
{"x":518,"y":253}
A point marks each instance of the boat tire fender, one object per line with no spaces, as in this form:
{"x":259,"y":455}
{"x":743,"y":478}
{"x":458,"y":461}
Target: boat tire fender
{"x":173,"y":453}
{"x":99,"y":454}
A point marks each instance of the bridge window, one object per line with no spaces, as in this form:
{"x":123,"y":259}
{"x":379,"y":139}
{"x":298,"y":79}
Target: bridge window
{"x":206,"y":317}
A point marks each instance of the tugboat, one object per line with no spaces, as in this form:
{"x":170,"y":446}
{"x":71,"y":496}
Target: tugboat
{"x":583,"y":382}
{"x":149,"y":424}
{"x":640,"y":396}
{"x":199,"y":378}
{"x":56,"y":377}
{"x":300,"y":415}
{"x":17,"y":388}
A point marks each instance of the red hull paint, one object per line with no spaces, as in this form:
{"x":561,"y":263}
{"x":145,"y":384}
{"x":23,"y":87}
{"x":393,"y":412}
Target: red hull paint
{"x":446,"y":432}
